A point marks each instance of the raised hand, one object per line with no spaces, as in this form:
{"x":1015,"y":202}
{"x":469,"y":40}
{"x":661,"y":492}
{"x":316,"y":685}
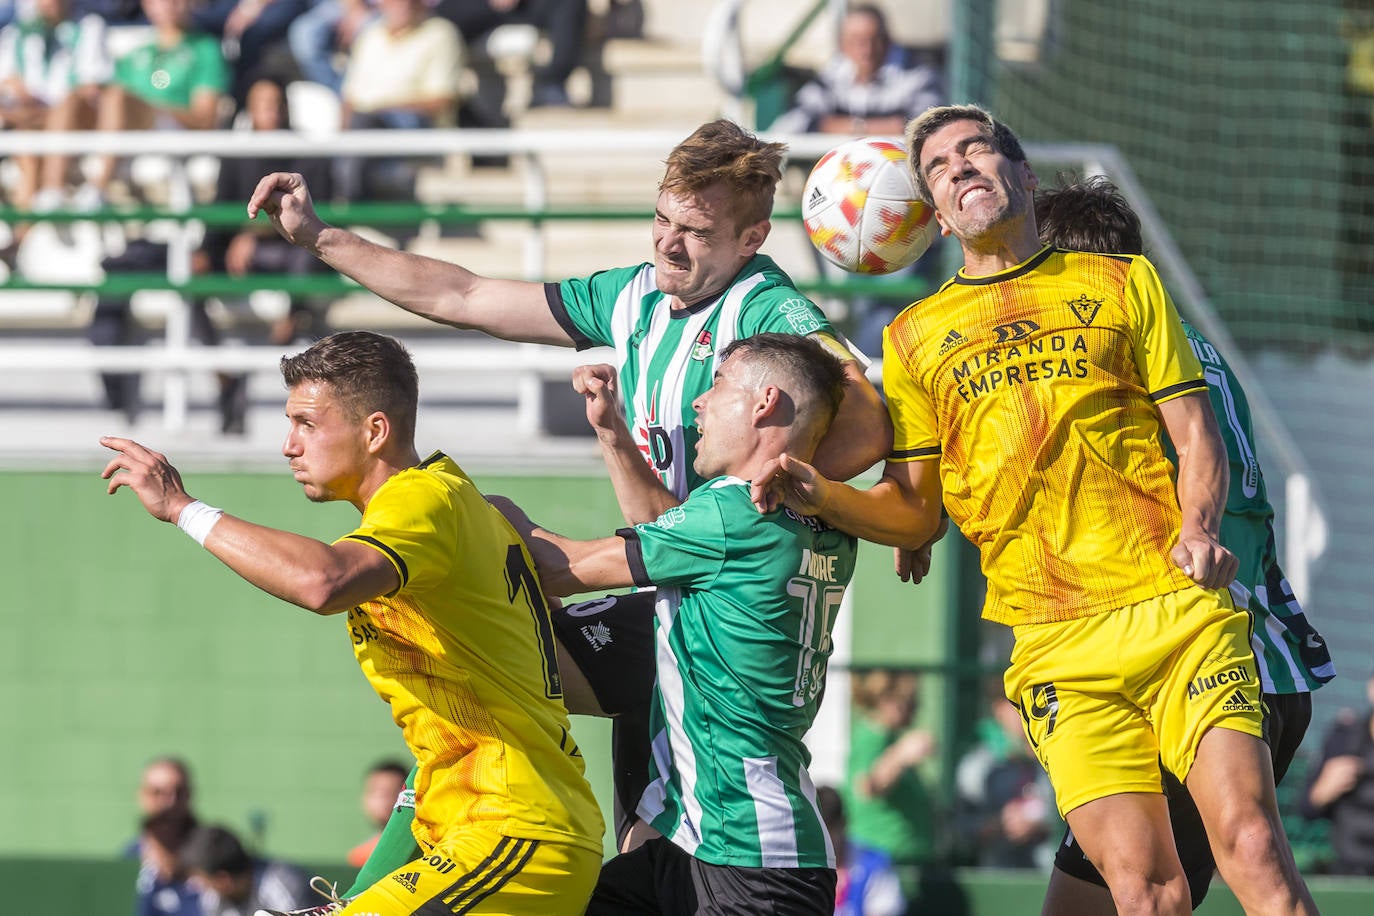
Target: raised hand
{"x":149,"y":474}
{"x":284,"y":197}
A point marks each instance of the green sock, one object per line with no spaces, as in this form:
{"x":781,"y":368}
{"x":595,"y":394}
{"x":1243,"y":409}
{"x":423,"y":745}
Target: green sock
{"x":395,"y":847}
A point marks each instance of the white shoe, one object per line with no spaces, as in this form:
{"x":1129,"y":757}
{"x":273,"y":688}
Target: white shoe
{"x":324,"y":889}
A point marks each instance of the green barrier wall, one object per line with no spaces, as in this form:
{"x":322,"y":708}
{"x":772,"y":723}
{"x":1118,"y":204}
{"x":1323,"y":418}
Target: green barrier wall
{"x":125,"y":642}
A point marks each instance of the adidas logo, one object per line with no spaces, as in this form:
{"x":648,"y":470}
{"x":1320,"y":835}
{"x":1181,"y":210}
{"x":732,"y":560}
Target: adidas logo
{"x":817,"y":197}
{"x":952,"y":340}
{"x":407,"y":880}
{"x":1237,"y":703}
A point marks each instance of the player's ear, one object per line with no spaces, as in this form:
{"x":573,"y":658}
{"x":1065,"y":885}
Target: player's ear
{"x":753,"y":237}
{"x":376,"y":431}
{"x":767,"y":405}
{"x":1030,"y":181}
{"x":944,"y":228}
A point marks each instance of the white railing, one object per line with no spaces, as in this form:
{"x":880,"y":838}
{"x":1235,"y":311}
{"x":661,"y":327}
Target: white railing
{"x":1306,"y":530}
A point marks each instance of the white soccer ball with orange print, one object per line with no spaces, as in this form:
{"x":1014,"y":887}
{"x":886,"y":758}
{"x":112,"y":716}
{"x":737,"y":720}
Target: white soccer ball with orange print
{"x":861,"y":209}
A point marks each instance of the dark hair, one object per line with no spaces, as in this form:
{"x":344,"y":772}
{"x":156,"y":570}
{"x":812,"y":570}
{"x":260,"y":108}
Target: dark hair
{"x":812,"y":373}
{"x":831,"y":805}
{"x":875,"y":12}
{"x":170,"y":827}
{"x":367,"y":371}
{"x":395,"y":767}
{"x":930,"y":121}
{"x":722,"y":151}
{"x":214,"y":849}
{"x":176,"y":763}
{"x":1088,"y":214}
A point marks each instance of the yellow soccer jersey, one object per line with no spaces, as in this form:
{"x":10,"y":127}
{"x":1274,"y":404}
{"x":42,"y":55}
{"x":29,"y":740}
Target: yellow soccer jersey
{"x":463,"y":652}
{"x":1036,"y":388}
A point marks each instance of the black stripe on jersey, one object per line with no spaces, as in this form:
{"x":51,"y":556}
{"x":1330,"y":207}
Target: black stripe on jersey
{"x":554,"y":296}
{"x":906,"y":453}
{"x":1181,"y":388}
{"x":395,"y":557}
{"x":438,"y":905}
{"x":634,"y":555}
{"x":1009,"y":275}
{"x":437,"y":456}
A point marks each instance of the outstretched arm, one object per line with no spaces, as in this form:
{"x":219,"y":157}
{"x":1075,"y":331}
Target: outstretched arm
{"x":569,"y":567}
{"x":433,"y":289}
{"x":320,"y":577}
{"x":901,"y":510}
{"x":1203,"y":478}
{"x":861,"y":434}
{"x":642,"y":496}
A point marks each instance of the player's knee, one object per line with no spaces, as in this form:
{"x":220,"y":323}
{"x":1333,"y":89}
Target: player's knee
{"x":1250,"y":841}
{"x":1139,"y":894}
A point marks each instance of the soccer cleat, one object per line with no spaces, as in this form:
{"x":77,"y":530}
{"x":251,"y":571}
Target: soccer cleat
{"x":324,"y":889}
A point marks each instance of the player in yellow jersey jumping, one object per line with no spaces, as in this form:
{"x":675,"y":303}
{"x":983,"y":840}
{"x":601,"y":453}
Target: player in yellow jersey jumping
{"x":1027,"y":396}
{"x":447,"y":620}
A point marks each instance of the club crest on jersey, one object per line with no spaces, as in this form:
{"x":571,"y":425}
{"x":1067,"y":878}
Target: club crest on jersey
{"x":701,"y":350}
{"x":801,"y":316}
{"x":1084,"y":308}
{"x":672,"y":518}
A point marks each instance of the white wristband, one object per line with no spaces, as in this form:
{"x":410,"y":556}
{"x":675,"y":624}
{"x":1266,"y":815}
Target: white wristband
{"x":197,"y":519}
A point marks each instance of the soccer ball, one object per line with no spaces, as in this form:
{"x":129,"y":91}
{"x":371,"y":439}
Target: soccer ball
{"x":861,"y":209}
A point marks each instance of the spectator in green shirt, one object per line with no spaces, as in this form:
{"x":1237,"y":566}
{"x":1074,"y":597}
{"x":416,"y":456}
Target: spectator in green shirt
{"x":177,"y":81}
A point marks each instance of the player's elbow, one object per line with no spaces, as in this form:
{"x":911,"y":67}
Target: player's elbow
{"x":320,"y":593}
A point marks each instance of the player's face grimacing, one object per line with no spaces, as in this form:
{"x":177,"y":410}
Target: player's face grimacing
{"x":326,"y":447}
{"x":723,"y":411}
{"x":975,"y":187}
{"x":698,"y":249}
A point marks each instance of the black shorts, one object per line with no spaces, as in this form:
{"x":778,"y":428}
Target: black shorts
{"x":1286,"y":717}
{"x":658,"y":877}
{"x":612,"y":641}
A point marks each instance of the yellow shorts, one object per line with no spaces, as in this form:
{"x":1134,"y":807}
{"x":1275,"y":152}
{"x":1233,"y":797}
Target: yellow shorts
{"x":476,"y":870}
{"x":1106,"y":699}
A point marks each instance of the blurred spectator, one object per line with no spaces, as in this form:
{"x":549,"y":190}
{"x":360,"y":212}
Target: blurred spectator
{"x":178,"y":80}
{"x":52,"y":67}
{"x":256,"y":248}
{"x":562,"y":22}
{"x":164,"y":802}
{"x":235,"y":883}
{"x":162,"y":887}
{"x":866,"y":884}
{"x":1006,"y":813}
{"x":1341,"y":788}
{"x":870,"y":87}
{"x":381,"y":788}
{"x":889,"y":806}
{"x":238,"y":252}
{"x":251,"y":32}
{"x":324,"y":31}
{"x":403,"y":74}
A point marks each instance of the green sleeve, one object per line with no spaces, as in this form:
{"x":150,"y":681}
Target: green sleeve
{"x":583,"y":306}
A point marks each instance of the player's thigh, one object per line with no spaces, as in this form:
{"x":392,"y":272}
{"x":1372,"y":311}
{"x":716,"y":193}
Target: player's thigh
{"x":1127,"y":837}
{"x":1091,"y":738}
{"x":1209,"y":681}
{"x":610,"y":643}
{"x":478,"y":871}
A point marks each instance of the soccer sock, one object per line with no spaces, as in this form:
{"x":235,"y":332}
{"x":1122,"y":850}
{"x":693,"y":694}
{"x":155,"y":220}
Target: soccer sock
{"x":395,"y":847}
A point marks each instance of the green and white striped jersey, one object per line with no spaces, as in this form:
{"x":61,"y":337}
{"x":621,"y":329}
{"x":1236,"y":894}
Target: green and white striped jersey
{"x":666,"y":358}
{"x":51,"y":62}
{"x":1292,"y":656}
{"x":746,"y":605}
